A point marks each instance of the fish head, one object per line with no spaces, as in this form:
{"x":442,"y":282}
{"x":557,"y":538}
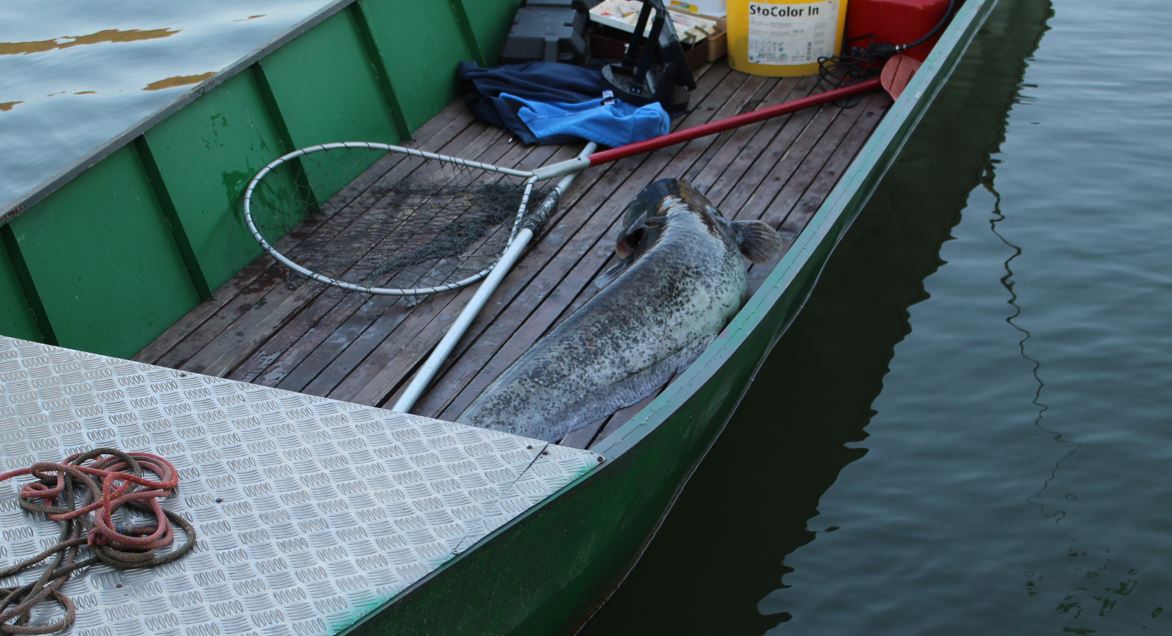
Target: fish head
{"x":648,"y":215}
{"x":641,"y":226}
{"x":643,"y":220}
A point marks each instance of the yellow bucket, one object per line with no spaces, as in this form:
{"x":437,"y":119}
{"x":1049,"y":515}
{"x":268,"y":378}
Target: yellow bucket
{"x":783,"y":37}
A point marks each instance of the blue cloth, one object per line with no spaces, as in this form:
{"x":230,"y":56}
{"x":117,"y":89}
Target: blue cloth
{"x":555,"y":103}
{"x":551,"y":82}
{"x":606,"y":122}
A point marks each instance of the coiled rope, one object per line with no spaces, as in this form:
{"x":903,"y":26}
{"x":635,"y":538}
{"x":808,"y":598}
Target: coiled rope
{"x":68,"y":492}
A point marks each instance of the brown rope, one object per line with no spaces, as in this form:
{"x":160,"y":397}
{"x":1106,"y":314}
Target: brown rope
{"x":68,"y":492}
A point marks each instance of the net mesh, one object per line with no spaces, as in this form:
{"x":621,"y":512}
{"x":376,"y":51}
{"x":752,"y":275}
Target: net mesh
{"x":388,"y":220}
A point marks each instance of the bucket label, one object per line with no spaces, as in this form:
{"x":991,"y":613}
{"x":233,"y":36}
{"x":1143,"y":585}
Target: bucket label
{"x":792,"y":33}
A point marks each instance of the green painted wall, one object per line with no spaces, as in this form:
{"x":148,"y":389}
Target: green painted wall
{"x":102,"y":258}
{"x":206,"y":153}
{"x":420,"y":44}
{"x":16,"y":314}
{"x":490,"y":22}
{"x":111,"y":259}
{"x":298,"y":76}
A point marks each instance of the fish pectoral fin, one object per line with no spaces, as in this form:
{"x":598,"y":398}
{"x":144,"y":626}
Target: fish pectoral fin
{"x":757,"y":240}
{"x":609,"y":276}
{"x":633,"y":388}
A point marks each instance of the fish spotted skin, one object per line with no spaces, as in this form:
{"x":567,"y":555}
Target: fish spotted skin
{"x":681,"y":278}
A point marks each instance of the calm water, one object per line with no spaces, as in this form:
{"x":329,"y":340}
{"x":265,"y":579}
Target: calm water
{"x":969,"y":430}
{"x":72,"y":80}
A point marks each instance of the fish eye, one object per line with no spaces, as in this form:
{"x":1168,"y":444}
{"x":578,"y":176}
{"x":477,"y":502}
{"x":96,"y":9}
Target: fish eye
{"x":635,"y":236}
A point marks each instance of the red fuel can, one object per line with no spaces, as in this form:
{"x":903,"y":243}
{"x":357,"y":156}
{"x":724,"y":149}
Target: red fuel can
{"x":893,"y":22}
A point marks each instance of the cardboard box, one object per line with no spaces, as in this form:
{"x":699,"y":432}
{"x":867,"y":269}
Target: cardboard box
{"x":708,"y":8}
{"x":716,"y":46}
{"x":609,"y":43}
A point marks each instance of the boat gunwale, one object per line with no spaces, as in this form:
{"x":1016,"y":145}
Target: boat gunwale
{"x":845,"y":200}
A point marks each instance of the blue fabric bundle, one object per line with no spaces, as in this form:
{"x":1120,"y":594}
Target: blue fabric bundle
{"x":609,"y":122}
{"x":554,"y":103}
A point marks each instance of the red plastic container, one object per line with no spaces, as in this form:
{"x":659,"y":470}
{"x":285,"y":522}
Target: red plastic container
{"x":893,"y":22}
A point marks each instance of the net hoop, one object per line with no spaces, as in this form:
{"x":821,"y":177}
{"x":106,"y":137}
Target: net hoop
{"x":528,"y":175}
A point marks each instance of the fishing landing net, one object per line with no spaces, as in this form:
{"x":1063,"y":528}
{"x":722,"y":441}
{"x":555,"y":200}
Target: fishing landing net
{"x":388,"y":220}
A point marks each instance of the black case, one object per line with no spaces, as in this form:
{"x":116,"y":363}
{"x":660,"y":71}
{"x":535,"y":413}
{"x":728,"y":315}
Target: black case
{"x":549,"y":31}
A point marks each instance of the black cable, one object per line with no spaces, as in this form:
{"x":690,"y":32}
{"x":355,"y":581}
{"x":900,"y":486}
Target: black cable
{"x":899,"y":48}
{"x":884,"y":50}
{"x":859,"y":61}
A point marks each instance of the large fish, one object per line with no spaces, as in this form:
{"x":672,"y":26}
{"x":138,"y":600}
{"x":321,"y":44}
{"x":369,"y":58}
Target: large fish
{"x":680,"y":278}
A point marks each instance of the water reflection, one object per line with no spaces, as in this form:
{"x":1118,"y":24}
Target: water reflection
{"x":100,"y":37}
{"x":1072,"y":604}
{"x":178,"y":80}
{"x":1013,"y":319}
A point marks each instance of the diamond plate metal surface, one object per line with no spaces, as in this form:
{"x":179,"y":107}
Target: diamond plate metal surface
{"x":309,"y":512}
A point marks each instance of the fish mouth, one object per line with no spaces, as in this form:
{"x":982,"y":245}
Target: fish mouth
{"x":646,"y":217}
{"x":630,"y":242}
{"x":629,"y":246}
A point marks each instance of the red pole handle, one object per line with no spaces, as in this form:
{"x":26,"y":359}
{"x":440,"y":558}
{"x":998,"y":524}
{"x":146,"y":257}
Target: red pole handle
{"x":722,"y":125}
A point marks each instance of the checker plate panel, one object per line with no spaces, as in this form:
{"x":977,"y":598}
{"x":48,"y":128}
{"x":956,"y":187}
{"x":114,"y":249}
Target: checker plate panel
{"x":309,"y":512}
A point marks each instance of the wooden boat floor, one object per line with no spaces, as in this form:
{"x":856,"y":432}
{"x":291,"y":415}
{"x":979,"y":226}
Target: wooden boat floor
{"x":268,"y":327}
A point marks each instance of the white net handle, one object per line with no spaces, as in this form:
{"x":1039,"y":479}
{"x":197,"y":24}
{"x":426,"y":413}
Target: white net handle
{"x":528,"y":175}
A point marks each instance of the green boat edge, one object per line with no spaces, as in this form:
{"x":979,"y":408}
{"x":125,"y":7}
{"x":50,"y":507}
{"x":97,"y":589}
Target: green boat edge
{"x":549,"y":569}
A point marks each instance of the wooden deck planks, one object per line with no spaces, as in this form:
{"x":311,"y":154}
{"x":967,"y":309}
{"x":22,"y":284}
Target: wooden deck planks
{"x":572,"y":234}
{"x":578,"y":261}
{"x":590,"y":250}
{"x":804,"y":139}
{"x":265,"y":327}
{"x":360,"y":335}
{"x":819,"y":138}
